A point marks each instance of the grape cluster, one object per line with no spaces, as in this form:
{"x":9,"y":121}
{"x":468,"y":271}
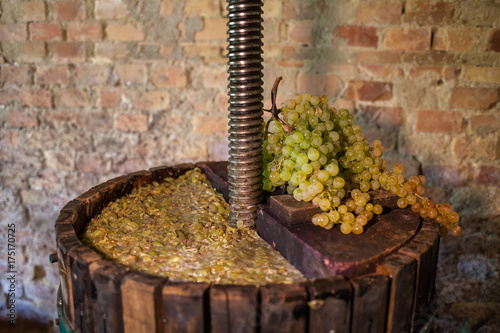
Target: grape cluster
{"x":321,"y":156}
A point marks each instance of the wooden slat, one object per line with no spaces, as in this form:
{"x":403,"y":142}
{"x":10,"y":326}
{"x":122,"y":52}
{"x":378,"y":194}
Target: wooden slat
{"x":330,"y":301}
{"x":233,"y":308}
{"x":283,"y":308}
{"x":320,"y":253}
{"x":106,"y":301}
{"x":141,"y":178}
{"x":218,"y":176}
{"x":369,"y":311}
{"x":402,"y":271}
{"x":141,"y":301}
{"x":80,"y":257}
{"x":184,"y":307}
{"x":291,"y":211}
{"x":93,"y":205}
{"x":423,"y":248}
{"x":72,"y":213}
{"x":64,"y":244}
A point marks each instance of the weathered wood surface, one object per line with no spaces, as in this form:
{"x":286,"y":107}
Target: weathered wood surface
{"x":402,"y":271}
{"x":183,"y":307}
{"x":318,"y":252}
{"x":397,"y":250}
{"x":369,"y":303}
{"x":330,"y":302}
{"x":105,"y":299}
{"x":423,"y":248}
{"x":283,"y":308}
{"x":80,"y":257}
{"x":141,"y":303}
{"x":234,"y":308}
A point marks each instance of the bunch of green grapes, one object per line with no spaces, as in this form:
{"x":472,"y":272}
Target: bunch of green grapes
{"x":321,"y":156}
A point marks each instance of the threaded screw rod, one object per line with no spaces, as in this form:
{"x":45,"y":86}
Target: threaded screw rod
{"x":245,"y":109}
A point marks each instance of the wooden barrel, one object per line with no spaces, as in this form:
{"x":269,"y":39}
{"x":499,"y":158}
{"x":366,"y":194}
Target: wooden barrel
{"x":379,"y":281}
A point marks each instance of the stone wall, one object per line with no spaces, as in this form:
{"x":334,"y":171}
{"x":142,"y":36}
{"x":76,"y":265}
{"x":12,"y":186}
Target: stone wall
{"x":93,"y":89}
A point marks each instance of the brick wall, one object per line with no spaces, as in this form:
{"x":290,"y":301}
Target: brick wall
{"x":92,"y":89}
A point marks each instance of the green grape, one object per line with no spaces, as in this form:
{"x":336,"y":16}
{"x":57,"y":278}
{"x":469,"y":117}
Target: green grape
{"x":301,"y":159}
{"x":338,"y":182}
{"x":307,"y":168}
{"x":285,"y":175}
{"x":333,"y":169}
{"x":322,"y":155}
{"x":323,"y":176}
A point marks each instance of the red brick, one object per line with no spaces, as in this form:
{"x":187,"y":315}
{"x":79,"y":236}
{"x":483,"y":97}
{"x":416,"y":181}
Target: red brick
{"x":90,"y":75}
{"x":213,"y":29}
{"x":210,"y":126}
{"x":429,"y":13}
{"x":406,"y":39}
{"x":437,"y":121}
{"x":16,"y":75}
{"x":377,"y":57}
{"x":52,"y":75}
{"x":9,"y":137}
{"x":132,"y":73}
{"x":473,"y":98}
{"x":59,"y":160}
{"x":132,"y":122}
{"x":84,"y":31}
{"x":318,"y":84}
{"x":445,"y":175}
{"x":358,"y":35}
{"x":95,"y":121}
{"x":484,"y":124}
{"x":108,"y":97}
{"x":369,"y":90}
{"x":436,"y":72}
{"x":430,"y":57}
{"x":297,"y":10}
{"x":212,"y":78}
{"x":33,"y":11}
{"x":32,"y":51}
{"x":60,"y":117}
{"x":71,"y":97}
{"x":152,"y":100}
{"x":385,"y":117}
{"x":21,"y":118}
{"x":125,"y":32}
{"x":68,"y":10}
{"x":487,"y":175}
{"x":7,"y":96}
{"x":494,"y":41}
{"x":13,"y":32}
{"x":68,"y":52}
{"x":301,"y":32}
{"x":36,"y":97}
{"x":379,"y":12}
{"x":476,"y":148}
{"x":203,"y":51}
{"x":461,"y":38}
{"x":45,"y":31}
{"x":171,"y":77}
{"x":296,"y":54}
{"x":484,"y":74}
{"x":197,"y":8}
{"x":110,"y":9}
{"x":381,"y":71}
{"x":272,"y":32}
{"x":111,"y":51}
